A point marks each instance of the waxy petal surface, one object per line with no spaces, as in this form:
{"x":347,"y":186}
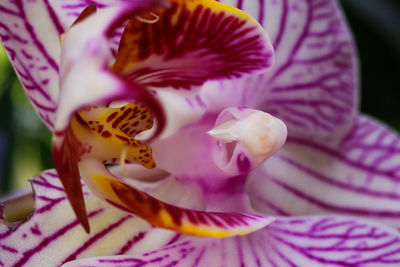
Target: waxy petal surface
{"x":312,"y":85}
{"x":30,"y":33}
{"x":164,"y":215}
{"x":361,"y":177}
{"x":313,"y":241}
{"x":191,"y":42}
{"x":86,"y":81}
{"x":33,"y":47}
{"x":86,"y":56}
{"x":52,"y":235}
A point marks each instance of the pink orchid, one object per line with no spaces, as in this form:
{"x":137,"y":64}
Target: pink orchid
{"x":215,"y":84}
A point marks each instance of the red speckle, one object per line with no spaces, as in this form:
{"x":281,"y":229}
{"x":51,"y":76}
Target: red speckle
{"x":106,"y":134}
{"x":112,"y":116}
{"x":123,"y":138}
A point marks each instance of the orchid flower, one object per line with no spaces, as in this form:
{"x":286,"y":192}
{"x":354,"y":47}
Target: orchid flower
{"x":213,"y":84}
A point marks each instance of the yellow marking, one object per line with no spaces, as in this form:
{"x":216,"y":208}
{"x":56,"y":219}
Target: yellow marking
{"x":104,"y":184}
{"x":215,"y":7}
{"x":102,"y":140}
{"x":166,"y":219}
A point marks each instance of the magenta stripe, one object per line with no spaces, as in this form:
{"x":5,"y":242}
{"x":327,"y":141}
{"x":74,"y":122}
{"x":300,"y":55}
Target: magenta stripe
{"x":97,"y":237}
{"x":37,"y":43}
{"x":8,"y":249}
{"x":34,"y":85}
{"x":272,"y":206}
{"x":266,"y":253}
{"x":394,"y":241}
{"x":370,"y":235}
{"x":174,"y":239}
{"x":6,"y":233}
{"x":381,"y":258}
{"x":198,"y":258}
{"x":50,"y":205}
{"x":15,"y":37}
{"x":283,"y":257}
{"x":335,"y":183}
{"x":54,"y":17}
{"x":296,"y":47}
{"x":304,"y":252}
{"x":48,"y":240}
{"x":47,"y":185}
{"x":239,"y":251}
{"x":338,"y":209}
{"x":8,"y":11}
{"x":282,"y":24}
{"x":261,"y":11}
{"x":42,"y":107}
{"x":254,"y":253}
{"x":391,"y":175}
{"x":240,"y":4}
{"x":136,"y":238}
{"x":52,"y":174}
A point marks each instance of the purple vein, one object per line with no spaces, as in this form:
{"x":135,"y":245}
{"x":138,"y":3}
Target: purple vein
{"x":51,"y":238}
{"x":296,"y":47}
{"x":133,"y":241}
{"x":282,"y":24}
{"x":9,"y":11}
{"x":97,"y":237}
{"x":54,"y":17}
{"x":336,"y":208}
{"x":331,"y":181}
{"x":261,"y":11}
{"x":35,"y":40}
{"x":391,"y":175}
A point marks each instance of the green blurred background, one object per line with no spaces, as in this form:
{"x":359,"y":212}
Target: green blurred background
{"x":25,"y":143}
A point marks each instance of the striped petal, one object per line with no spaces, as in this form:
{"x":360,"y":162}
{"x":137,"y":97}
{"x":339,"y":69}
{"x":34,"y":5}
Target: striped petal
{"x":361,"y":177}
{"x":191,"y":42}
{"x":85,"y":81}
{"x":164,"y":215}
{"x":30,"y":34}
{"x":52,"y":235}
{"x":313,"y":241}
{"x":33,"y":47}
{"x":85,"y":59}
{"x":312,"y":85}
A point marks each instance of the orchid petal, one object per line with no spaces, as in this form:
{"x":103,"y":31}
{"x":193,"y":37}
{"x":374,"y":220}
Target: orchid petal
{"x":52,"y":235}
{"x":30,"y":33}
{"x":164,"y":215}
{"x":191,"y":42}
{"x":86,"y":50}
{"x":312,"y":85}
{"x":361,"y":177}
{"x":313,"y":241}
{"x":33,"y":48}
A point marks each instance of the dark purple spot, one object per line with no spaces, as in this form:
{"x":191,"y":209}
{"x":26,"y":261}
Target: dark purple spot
{"x":243,"y":163}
